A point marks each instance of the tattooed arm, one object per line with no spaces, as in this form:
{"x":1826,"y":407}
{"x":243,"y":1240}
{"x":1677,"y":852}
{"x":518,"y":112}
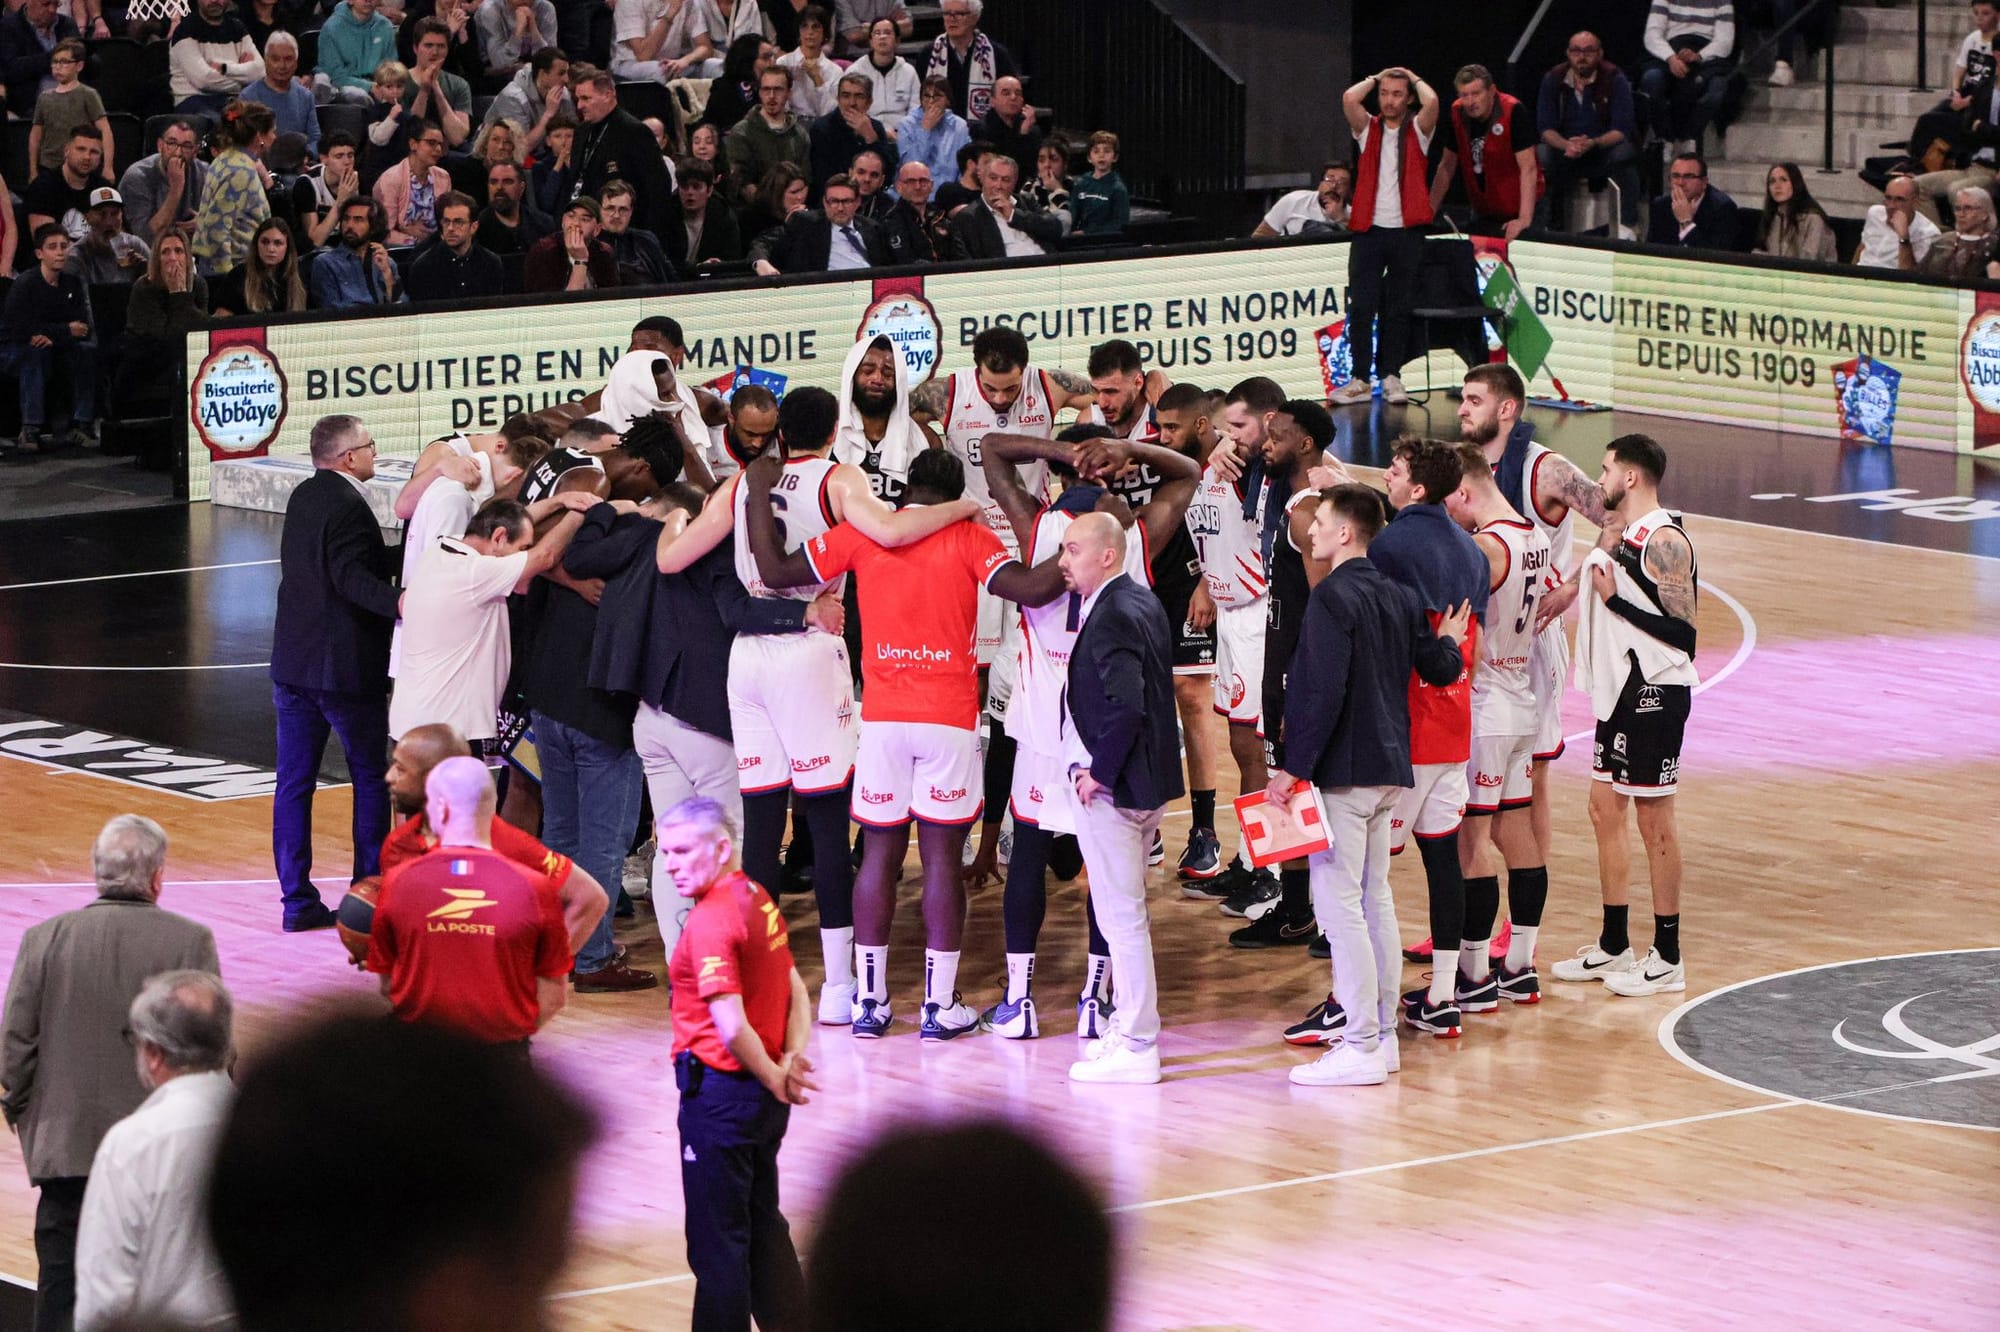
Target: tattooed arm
{"x":1561,"y":486}
{"x":1076,"y":391}
{"x":1670,"y":560}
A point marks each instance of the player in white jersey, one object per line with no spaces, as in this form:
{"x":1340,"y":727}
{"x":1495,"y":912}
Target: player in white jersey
{"x":791,"y":700}
{"x":1082,"y":456}
{"x":1500,"y":775}
{"x":1635,"y":658}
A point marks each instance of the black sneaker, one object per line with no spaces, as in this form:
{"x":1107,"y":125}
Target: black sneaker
{"x":1203,"y":857}
{"x":1440,"y":1020}
{"x":1158,"y":854}
{"x":32,"y":440}
{"x":1272,"y":930}
{"x":1322,"y":1026}
{"x":1477,"y":996}
{"x":1218,"y":889}
{"x":1321,"y":948}
{"x":1519,"y":987}
{"x":1257,"y":896}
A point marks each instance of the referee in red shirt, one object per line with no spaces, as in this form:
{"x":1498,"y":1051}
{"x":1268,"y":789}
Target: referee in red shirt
{"x":741,"y":1018}
{"x":464,"y":936}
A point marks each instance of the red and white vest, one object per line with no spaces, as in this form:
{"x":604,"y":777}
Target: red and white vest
{"x":1416,"y":192}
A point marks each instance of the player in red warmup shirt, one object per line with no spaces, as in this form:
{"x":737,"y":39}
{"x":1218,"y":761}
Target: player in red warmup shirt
{"x":421,"y":749}
{"x":919,"y":751}
{"x":464,"y":936}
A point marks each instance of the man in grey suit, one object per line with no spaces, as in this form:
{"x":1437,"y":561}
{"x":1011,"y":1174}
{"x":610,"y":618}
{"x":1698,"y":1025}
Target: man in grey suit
{"x":68,"y":1072}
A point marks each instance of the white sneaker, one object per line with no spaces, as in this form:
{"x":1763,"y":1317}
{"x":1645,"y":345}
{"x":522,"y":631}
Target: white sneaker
{"x":1343,"y":1066}
{"x":1592,"y":963}
{"x":1112,"y":1060}
{"x":1781,"y":76}
{"x":1652,"y":976}
{"x":638,"y":875}
{"x":1352,"y":392}
{"x":1392,"y":1057}
{"x":1626,"y":233}
{"x":1393,"y":391}
{"x":836,"y":1005}
{"x":947,"y":1022}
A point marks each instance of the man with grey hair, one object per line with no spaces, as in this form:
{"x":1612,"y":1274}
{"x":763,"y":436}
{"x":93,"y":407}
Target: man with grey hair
{"x":63,"y":1059}
{"x":143,"y":1255}
{"x":330,"y":660}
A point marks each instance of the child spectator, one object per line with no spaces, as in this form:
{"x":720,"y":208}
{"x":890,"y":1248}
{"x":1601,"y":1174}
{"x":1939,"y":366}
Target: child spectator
{"x":1099,"y":201}
{"x":62,"y":108}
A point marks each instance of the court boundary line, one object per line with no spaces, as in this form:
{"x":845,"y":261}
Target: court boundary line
{"x":205,"y":666}
{"x":137,"y":573}
{"x":1729,"y":668}
{"x":1665,"y":1034}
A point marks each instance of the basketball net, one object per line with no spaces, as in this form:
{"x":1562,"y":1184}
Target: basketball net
{"x":140,"y":11}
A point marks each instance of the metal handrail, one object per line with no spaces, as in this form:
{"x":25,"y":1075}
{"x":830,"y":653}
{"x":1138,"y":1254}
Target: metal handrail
{"x":1770,"y":44}
{"x":1534,"y":26}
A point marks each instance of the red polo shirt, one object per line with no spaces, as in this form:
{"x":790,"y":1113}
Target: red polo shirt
{"x":734,"y":942}
{"x":464,"y":934}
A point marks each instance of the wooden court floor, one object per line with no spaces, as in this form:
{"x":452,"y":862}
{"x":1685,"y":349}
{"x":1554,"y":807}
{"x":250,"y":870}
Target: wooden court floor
{"x":1556,"y":1167}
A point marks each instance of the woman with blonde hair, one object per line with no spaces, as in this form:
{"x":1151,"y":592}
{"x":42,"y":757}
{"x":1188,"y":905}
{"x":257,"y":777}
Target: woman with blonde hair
{"x":167,"y":304}
{"x":501,"y":140}
{"x":268,"y":281}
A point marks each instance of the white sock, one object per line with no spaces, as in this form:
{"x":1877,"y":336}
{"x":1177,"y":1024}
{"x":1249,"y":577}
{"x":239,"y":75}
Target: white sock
{"x":940,"y":976}
{"x":836,"y":949}
{"x":1020,"y":976}
{"x":1096,"y":977}
{"x":1444,"y":975}
{"x":874,"y":960}
{"x":1521,"y":948}
{"x":1475,"y":959}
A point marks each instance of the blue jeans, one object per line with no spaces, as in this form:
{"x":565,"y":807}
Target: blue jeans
{"x":305,"y":716}
{"x":590,"y":805}
{"x":33,"y":366}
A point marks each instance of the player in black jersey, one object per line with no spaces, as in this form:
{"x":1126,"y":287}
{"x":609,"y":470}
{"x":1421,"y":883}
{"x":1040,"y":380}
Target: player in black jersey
{"x":1295,"y":445}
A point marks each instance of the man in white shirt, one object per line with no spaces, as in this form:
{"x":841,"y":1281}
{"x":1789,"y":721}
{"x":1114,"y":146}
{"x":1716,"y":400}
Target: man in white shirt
{"x":143,"y":1256}
{"x":1326,"y":202}
{"x":997,"y":227}
{"x":1896,"y":235}
{"x":656,"y":40}
{"x":456,"y":650}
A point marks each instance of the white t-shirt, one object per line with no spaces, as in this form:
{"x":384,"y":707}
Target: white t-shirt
{"x":1973,"y":42}
{"x":1017,"y":242}
{"x":456,"y":652}
{"x":1389,"y":181}
{"x":633,"y":19}
{"x":810,"y":102}
{"x":1879,"y":244}
{"x":1288,"y":216}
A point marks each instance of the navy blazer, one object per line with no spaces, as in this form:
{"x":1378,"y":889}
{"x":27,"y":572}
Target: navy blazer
{"x":665,"y":638}
{"x":805,"y":243}
{"x":1347,"y":696}
{"x":1714,"y":223}
{"x":336,"y":605}
{"x":1121,"y":696}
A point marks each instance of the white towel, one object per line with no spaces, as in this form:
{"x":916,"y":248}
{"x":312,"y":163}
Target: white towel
{"x":1606,"y":644}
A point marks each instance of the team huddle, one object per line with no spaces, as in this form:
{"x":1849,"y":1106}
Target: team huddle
{"x":900,"y":583}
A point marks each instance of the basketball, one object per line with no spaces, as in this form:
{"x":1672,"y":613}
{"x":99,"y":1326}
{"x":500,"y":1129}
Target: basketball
{"x":356,"y":918}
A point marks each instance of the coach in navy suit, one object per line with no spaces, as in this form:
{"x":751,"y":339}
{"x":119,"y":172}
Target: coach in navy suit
{"x":1123,"y":751}
{"x":330,"y":660}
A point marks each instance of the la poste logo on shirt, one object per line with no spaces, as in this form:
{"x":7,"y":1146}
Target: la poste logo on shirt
{"x":902,"y":314}
{"x":238,"y":399}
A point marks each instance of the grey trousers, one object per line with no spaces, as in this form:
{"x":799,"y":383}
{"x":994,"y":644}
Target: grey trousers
{"x":681,"y":761}
{"x":1351,"y":898}
{"x":1115,"y":842}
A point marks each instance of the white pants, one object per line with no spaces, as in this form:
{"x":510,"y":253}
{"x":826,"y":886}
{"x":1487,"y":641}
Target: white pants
{"x":682,"y":761}
{"x":1351,"y":898}
{"x":1115,"y":843}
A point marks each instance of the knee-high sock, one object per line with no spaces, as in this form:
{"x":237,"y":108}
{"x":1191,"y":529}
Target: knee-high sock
{"x":1482,"y":904}
{"x":1025,"y":900}
{"x":1527,"y":897}
{"x":999,"y":772}
{"x":833,"y":872}
{"x":763,"y":833}
{"x":1447,"y":891}
{"x":1065,"y":856}
{"x":1295,"y":901}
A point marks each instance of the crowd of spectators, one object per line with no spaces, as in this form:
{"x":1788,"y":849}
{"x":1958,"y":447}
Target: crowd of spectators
{"x":368,"y":152}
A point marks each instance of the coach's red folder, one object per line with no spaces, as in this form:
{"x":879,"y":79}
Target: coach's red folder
{"x":1272,"y":833}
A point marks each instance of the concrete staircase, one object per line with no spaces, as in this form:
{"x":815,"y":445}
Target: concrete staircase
{"x":1875,"y":100}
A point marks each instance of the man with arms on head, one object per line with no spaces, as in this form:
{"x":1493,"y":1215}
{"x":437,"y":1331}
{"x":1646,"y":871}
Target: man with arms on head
{"x":458,"y":267}
{"x":1434,"y":558}
{"x":164,"y":190}
{"x":143,"y":1256}
{"x":68,"y":1071}
{"x":791,"y":699}
{"x":1347,"y":731}
{"x":479,"y":1247}
{"x":741,"y":1020}
{"x":462,"y":935}
{"x":1392,"y":207}
{"x":330,"y":659}
{"x":1499,"y":807}
{"x":919,"y":750}
{"x":968,"y":59}
{"x":830,"y":240}
{"x":358,"y":272}
{"x":1589,"y":131}
{"x":994,"y":227}
{"x":1123,"y":764}
{"x":1692,"y":213}
{"x":1895,"y":235}
{"x":1635,"y":658}
{"x":1229,"y":604}
{"x":1323,"y":205}
{"x":1493,"y":137}
{"x":1047,"y":637}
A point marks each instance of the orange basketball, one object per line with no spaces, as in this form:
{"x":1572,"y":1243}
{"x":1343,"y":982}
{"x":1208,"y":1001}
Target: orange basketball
{"x":356,"y":918}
